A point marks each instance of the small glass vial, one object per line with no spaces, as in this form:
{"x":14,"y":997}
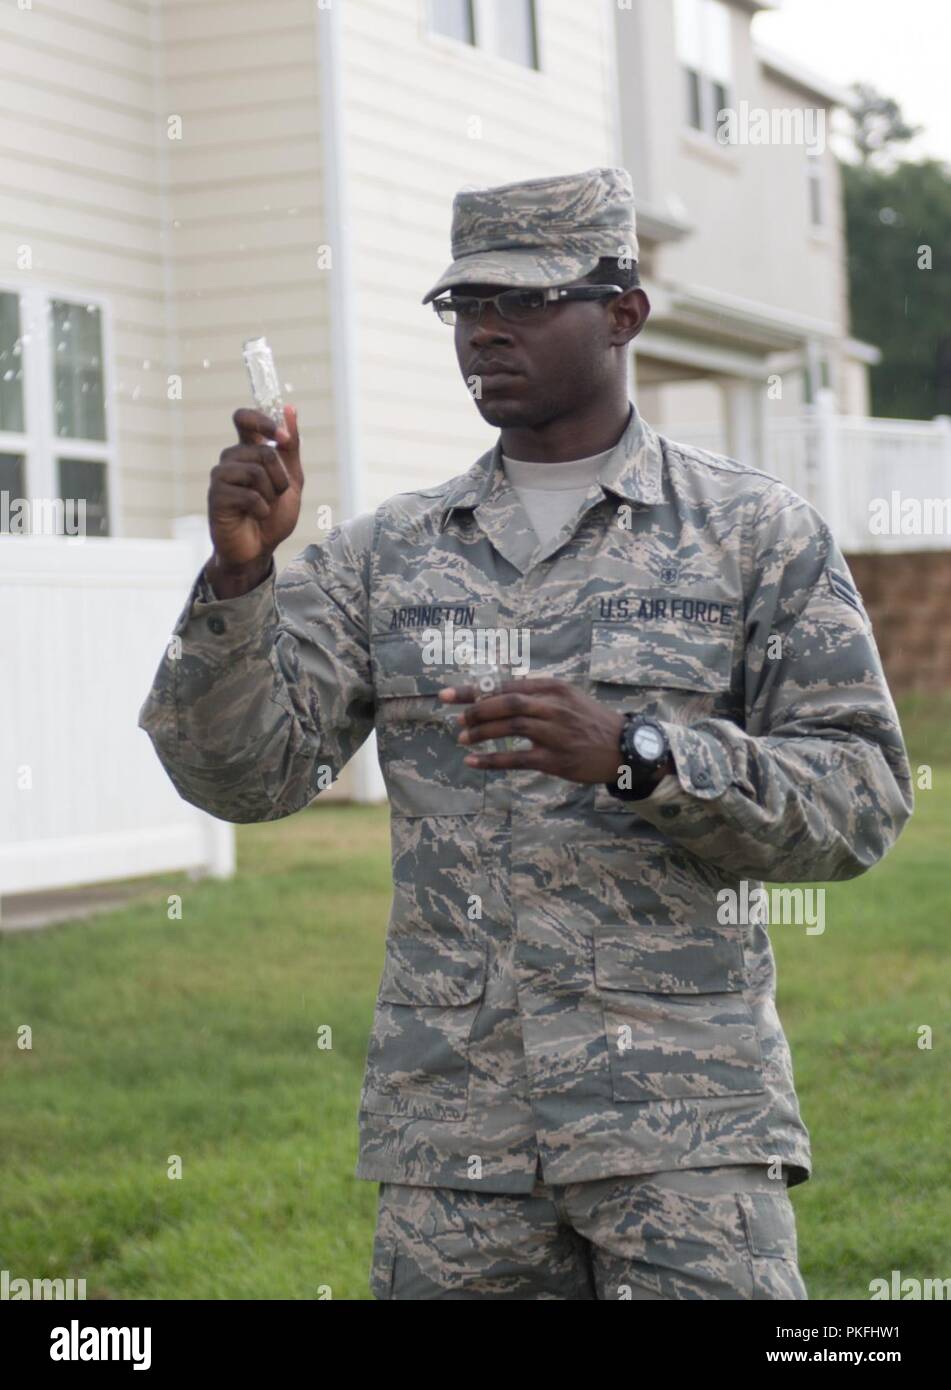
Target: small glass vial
{"x":487,"y":677}
{"x":265,"y":383}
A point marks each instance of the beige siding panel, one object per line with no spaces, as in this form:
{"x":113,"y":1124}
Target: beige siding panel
{"x":72,"y":148}
{"x":57,"y":29}
{"x":261,"y":60}
{"x":151,"y":491}
{"x":59,"y":256}
{"x":261,"y":307}
{"x":85,"y":230}
{"x":212,"y":431}
{"x":56,"y":42}
{"x":208,"y":412}
{"x":77,"y":187}
{"x":248,"y":124}
{"x":273,"y":156}
{"x":451,"y":84}
{"x":209,"y":419}
{"x":249,"y":196}
{"x":297,"y":349}
{"x":247,"y":100}
{"x":191,"y":21}
{"x":286,"y":264}
{"x":111,"y":87}
{"x":444,"y":152}
{"x":34,"y":99}
{"x":145,"y":417}
{"x":264,"y":233}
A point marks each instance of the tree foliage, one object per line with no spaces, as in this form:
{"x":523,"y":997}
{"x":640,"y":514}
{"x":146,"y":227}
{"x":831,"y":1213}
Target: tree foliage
{"x":878,"y":124}
{"x":898,"y":223}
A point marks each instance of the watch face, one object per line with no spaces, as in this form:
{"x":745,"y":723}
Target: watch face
{"x":648,"y":743}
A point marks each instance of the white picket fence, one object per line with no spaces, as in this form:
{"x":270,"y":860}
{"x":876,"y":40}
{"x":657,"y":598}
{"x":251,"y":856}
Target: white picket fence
{"x":843,"y":464}
{"x":83,"y":798}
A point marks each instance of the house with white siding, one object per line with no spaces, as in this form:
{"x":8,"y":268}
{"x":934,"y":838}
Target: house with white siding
{"x":743,"y":242}
{"x":183,"y":174}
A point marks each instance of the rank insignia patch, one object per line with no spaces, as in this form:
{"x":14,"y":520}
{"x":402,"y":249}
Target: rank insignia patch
{"x":841,"y":587}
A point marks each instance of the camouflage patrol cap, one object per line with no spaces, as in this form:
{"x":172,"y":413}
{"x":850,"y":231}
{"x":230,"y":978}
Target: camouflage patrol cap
{"x":540,"y":232}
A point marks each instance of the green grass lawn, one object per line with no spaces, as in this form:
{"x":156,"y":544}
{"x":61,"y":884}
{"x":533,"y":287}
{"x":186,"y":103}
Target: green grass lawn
{"x":199,"y":1038}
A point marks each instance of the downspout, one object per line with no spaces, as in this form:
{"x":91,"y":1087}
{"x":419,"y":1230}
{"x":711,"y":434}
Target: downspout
{"x":366,"y":779}
{"x":172,"y":355}
{"x":343,"y":353}
{"x":610,"y":58}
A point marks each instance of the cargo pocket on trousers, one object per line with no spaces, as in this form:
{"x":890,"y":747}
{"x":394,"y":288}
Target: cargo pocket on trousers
{"x":382,"y":1266}
{"x":675,"y":1019}
{"x":769,"y":1222}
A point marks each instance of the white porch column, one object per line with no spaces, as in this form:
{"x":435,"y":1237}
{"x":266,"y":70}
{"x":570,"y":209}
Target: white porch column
{"x":828,"y":481}
{"x":367,"y":780}
{"x":739,"y":410}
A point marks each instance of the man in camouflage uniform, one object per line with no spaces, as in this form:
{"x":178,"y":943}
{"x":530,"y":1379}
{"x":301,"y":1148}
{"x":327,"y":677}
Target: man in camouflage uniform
{"x":577,"y":1084}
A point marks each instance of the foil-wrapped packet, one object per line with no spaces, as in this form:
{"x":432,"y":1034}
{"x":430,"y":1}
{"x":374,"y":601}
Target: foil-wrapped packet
{"x":265,"y":382}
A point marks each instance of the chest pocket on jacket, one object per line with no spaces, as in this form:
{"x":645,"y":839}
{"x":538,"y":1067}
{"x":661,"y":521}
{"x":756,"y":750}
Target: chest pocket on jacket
{"x":421,"y":760}
{"x":676,"y":1021}
{"x":678,"y":671}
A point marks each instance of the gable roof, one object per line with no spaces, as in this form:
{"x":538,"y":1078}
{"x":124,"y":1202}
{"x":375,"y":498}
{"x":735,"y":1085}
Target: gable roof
{"x":794,"y":74}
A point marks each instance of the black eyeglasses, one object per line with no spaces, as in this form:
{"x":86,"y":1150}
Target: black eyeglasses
{"x":518,"y":306}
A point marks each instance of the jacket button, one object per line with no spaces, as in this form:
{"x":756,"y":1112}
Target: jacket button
{"x":702,"y":779}
{"x":216,"y":624}
{"x":668,"y":812}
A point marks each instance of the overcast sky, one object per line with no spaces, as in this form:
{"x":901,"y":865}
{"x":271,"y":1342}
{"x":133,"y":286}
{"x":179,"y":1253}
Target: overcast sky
{"x":903,"y":47}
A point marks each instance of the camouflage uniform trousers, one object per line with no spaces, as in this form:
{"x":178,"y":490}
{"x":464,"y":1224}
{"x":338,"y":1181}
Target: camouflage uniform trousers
{"x":700,"y":1233}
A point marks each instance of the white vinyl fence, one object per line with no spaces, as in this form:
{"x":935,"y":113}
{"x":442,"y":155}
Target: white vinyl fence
{"x":854,"y":468}
{"x":83,"y":797}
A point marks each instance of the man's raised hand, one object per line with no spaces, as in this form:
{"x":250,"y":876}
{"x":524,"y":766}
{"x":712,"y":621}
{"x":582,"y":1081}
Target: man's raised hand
{"x":254,"y":499}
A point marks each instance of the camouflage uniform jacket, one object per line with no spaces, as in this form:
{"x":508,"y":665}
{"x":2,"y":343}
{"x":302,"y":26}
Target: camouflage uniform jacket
{"x":559,"y":980}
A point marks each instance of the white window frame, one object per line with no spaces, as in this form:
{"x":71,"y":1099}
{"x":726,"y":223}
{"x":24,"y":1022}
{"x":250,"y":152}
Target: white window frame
{"x":698,"y":46}
{"x":38,"y":443}
{"x":816,"y":178}
{"x":483,"y":27}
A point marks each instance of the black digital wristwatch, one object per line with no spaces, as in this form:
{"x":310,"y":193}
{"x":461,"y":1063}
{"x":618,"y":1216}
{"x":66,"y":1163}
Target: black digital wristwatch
{"x":644,"y":748}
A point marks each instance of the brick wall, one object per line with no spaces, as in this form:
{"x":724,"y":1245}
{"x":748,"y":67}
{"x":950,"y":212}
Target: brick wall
{"x":908,"y":598}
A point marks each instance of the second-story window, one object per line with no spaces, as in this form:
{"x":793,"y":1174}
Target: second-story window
{"x":506,"y":28}
{"x":454,"y":18}
{"x":702,"y":29}
{"x":816,"y":184}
